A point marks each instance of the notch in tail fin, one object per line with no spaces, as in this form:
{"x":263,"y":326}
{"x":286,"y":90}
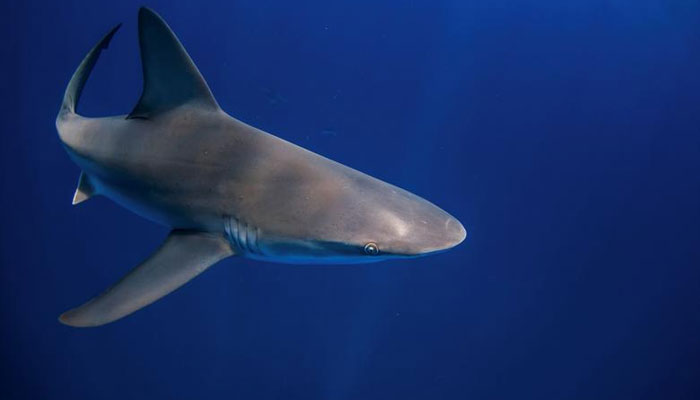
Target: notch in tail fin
{"x":77,"y":82}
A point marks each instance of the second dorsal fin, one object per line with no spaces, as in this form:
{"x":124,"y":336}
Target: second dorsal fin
{"x":170,"y":78}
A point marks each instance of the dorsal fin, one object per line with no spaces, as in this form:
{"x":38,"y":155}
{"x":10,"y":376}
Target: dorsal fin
{"x":170,"y":78}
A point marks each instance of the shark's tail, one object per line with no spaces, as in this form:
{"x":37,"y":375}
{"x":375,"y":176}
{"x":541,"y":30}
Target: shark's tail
{"x":77,"y":82}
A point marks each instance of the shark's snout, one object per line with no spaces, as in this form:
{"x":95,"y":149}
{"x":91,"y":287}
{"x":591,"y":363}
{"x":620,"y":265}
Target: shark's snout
{"x":417,"y":227}
{"x":454,"y":233}
{"x":445,"y":236}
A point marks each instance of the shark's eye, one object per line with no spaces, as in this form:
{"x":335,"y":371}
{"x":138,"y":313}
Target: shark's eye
{"x":371,"y":249}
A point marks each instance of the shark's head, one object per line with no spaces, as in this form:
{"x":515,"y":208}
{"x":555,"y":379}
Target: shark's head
{"x":360,"y":219}
{"x":390,"y":222}
{"x":403,"y":226}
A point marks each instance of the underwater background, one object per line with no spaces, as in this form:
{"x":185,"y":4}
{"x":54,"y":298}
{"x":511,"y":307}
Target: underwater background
{"x":564,"y":135}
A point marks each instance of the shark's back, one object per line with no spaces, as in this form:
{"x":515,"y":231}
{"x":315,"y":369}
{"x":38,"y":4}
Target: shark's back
{"x":192,"y":168}
{"x":180,"y":160}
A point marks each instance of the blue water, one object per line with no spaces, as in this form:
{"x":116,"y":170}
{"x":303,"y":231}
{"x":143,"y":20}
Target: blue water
{"x":565,"y":135}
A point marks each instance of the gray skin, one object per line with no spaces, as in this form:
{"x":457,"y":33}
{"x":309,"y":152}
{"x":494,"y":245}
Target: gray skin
{"x":181,"y":161}
{"x":295,"y":205}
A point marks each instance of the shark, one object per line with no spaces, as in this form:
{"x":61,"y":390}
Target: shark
{"x":223,"y":187}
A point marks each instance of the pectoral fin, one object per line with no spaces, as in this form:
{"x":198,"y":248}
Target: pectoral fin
{"x":184,"y":255}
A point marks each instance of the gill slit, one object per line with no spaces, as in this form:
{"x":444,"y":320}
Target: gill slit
{"x":242,"y":236}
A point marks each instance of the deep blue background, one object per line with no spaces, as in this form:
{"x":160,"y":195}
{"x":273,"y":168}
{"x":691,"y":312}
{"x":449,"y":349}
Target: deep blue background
{"x":565,"y":135}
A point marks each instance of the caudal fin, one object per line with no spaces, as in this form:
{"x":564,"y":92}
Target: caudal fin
{"x":77,"y":82}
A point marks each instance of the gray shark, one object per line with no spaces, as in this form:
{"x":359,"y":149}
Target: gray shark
{"x":224,"y":187}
